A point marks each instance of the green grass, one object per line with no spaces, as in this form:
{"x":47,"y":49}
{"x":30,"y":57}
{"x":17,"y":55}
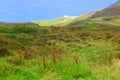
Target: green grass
{"x":35,"y":53}
{"x":32,"y":71}
{"x":21,"y":29}
{"x":60,"y":21}
{"x":101,"y":23}
{"x":96,"y":26}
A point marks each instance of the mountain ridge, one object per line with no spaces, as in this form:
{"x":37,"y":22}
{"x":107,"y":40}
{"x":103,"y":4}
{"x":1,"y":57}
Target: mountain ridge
{"x":112,"y":10}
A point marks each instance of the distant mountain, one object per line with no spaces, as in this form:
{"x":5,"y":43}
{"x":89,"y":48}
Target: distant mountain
{"x":110,"y":11}
{"x":104,"y":18}
{"x":55,"y":22}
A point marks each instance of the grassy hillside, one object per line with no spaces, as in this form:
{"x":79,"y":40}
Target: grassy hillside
{"x":56,"y":22}
{"x":55,"y":53}
{"x":111,"y":22}
{"x":64,"y":20}
{"x":85,"y":16}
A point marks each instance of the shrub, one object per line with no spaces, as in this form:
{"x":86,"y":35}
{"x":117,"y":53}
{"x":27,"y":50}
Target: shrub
{"x":28,"y":30}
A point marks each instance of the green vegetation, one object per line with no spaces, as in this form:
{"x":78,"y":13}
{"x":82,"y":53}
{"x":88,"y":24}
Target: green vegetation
{"x":101,"y":23}
{"x":68,"y":48}
{"x":88,"y":51}
{"x":56,"y":22}
{"x":84,"y":16}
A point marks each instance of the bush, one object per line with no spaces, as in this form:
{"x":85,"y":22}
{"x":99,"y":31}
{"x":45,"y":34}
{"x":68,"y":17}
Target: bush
{"x":28,"y":30}
{"x":19,"y":29}
{"x":109,"y":18}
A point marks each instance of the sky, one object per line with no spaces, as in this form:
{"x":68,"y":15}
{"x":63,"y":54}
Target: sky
{"x":28,"y":10}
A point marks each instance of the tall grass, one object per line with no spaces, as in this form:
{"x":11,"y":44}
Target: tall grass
{"x":63,"y":54}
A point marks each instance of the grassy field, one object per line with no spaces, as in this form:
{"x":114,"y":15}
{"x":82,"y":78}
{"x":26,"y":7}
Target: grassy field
{"x":34,"y":53}
{"x":56,"y":22}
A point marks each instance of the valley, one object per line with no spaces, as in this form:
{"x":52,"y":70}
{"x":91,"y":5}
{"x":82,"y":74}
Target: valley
{"x":68,"y":48}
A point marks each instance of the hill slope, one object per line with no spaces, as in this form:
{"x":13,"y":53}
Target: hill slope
{"x":83,"y":18}
{"x":111,"y":22}
{"x":101,"y":19}
{"x":55,"y":22}
{"x":110,"y":11}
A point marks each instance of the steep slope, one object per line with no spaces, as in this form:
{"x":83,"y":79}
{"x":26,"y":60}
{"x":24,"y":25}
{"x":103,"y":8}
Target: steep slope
{"x":110,"y":11}
{"x":56,"y":22}
{"x":100,"y":23}
{"x":83,"y":18}
{"x":101,"y":19}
